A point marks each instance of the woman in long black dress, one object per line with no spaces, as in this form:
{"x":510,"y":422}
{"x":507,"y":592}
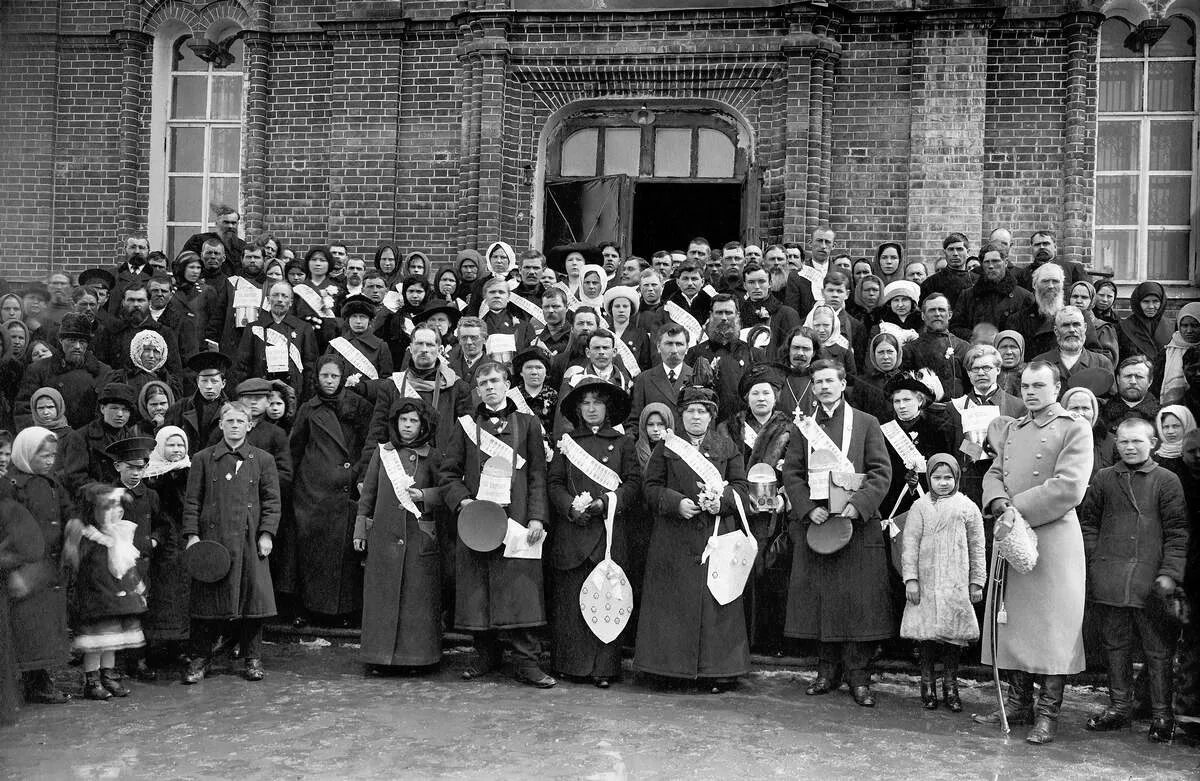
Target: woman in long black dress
{"x":166,"y":623}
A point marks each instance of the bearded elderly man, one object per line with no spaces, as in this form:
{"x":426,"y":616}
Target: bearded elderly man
{"x":76,"y":373}
{"x":726,"y":353}
{"x":938,"y":349}
{"x":1042,"y":467}
{"x":1070,"y":357}
{"x":1035,"y":321}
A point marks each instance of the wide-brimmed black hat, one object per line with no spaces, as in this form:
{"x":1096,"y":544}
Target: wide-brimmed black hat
{"x":209,"y":359}
{"x":97,"y":276}
{"x":119,"y":393}
{"x":437,"y":306}
{"x":556,"y":258}
{"x":909,"y":383}
{"x":617,"y":404}
{"x":529,"y":354}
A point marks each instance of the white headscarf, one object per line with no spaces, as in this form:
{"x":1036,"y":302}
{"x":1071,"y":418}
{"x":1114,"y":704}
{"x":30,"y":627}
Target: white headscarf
{"x":158,"y":463}
{"x":26,"y":445}
{"x":140,"y":341}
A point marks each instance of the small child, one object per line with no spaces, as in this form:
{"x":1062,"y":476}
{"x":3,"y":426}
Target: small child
{"x":1135,"y":533}
{"x":130,"y":457}
{"x":109,"y":592}
{"x":944,"y":571}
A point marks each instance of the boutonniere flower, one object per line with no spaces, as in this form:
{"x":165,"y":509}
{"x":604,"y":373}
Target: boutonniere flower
{"x":581,"y":502}
{"x":331,"y":290}
{"x":949,"y":353}
{"x":763,"y":313}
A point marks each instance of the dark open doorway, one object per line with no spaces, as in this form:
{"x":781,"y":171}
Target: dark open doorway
{"x":667,"y":215}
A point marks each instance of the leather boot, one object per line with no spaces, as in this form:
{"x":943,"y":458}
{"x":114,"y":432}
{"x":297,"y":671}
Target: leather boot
{"x":1018,"y":705}
{"x":92,"y":688}
{"x":928,"y":679}
{"x":950,"y":679}
{"x":40,"y":688}
{"x":1162,"y":727}
{"x":1117,"y":714}
{"x":112,"y":682}
{"x":1049,"y":702}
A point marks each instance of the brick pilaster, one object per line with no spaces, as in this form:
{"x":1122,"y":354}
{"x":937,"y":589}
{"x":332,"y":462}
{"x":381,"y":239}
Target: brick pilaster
{"x":254,"y":172}
{"x":1081,"y":30}
{"x":131,"y":212}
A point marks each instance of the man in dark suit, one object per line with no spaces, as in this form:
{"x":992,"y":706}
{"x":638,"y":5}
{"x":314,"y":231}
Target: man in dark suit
{"x":135,"y":268}
{"x":662,"y":382}
{"x":1070,"y":356}
{"x":226,"y":233}
{"x":982,"y":365}
{"x":112,"y":346}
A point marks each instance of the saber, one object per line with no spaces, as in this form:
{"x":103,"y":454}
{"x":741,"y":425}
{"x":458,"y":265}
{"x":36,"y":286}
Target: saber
{"x":995,"y":594}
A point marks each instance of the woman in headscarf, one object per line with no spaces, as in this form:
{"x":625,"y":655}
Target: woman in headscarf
{"x":273,"y":271}
{"x":148,"y":354}
{"x":1083,"y":295}
{"x":1106,"y":301}
{"x":621,"y":305}
{"x":281,"y":405}
{"x":416,"y":264}
{"x":17,"y":334}
{"x":387,"y":262}
{"x":594,"y":477}
{"x":824,"y":322}
{"x":166,"y":624}
{"x":499,"y":261}
{"x":39,"y":619}
{"x":400,"y":534}
{"x":468,"y":264}
{"x":326,"y":442}
{"x":48,"y":410}
{"x":868,"y":292}
{"x":11,"y":307}
{"x":885,"y":354}
{"x":188,"y":271}
{"x":1169,"y":384}
{"x":592,"y":284}
{"x":655,"y":422}
{"x":1011,"y":346}
{"x":414,"y":292}
{"x":1145,"y":330}
{"x":154,"y":399}
{"x":1084,"y":403}
{"x":889,"y":262}
{"x":683,"y":632}
{"x":446,"y":286}
{"x":1173,"y":423}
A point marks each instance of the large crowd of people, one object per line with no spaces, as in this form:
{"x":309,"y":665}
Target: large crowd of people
{"x":572,"y":453}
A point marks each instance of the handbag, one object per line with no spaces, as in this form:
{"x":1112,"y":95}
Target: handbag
{"x":1020,"y":546}
{"x":606,"y":598}
{"x":730,"y":558}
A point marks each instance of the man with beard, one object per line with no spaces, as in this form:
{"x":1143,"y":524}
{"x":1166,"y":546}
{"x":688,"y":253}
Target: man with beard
{"x":1133,"y":399}
{"x":993,"y":298}
{"x":426,"y":376}
{"x":584,"y":322}
{"x":726,"y":353}
{"x":112,"y":346}
{"x":650,"y":314}
{"x":1046,"y":251}
{"x":554,"y":337}
{"x":955,"y":278}
{"x":356,"y":268}
{"x":135,"y":268}
{"x":786,"y":283}
{"x":246,"y":285}
{"x":279,"y":345}
{"x":1036,"y":321}
{"x":171,"y":311}
{"x":76,"y":373}
{"x":661,"y":382}
{"x":226,"y":233}
{"x":761,"y":307}
{"x":689,"y":305}
{"x":1070,"y":356}
{"x":81,"y":456}
{"x":199,"y":414}
{"x":936,"y":348}
{"x":58,"y":285}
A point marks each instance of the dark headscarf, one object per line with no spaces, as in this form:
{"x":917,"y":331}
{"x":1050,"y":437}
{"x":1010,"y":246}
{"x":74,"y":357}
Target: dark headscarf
{"x":1107,"y":315}
{"x":428,"y":430}
{"x":1148,"y":335}
{"x":899,"y":273}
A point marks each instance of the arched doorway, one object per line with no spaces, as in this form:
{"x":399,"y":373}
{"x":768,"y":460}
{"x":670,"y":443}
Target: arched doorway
{"x":647,"y":178}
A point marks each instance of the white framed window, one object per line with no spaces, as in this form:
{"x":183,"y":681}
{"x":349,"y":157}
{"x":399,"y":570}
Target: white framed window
{"x":196,"y":161}
{"x":1146,"y":135}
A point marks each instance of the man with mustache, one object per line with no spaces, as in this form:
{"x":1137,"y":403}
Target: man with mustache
{"x":1046,"y":251}
{"x":136,"y":267}
{"x":938,"y":349}
{"x":112,"y":346}
{"x":1070,"y":356}
{"x":228,"y":220}
{"x":994,"y":297}
{"x":1035,"y":321}
{"x":77,"y":373}
{"x":729,"y":356}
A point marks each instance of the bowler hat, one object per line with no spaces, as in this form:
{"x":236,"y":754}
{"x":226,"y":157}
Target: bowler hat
{"x":119,"y":393}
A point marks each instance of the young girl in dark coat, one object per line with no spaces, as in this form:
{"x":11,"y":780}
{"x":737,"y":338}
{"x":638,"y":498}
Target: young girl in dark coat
{"x":166,"y":623}
{"x":110,"y":595}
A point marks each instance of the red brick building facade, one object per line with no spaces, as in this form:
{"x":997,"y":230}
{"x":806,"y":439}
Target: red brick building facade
{"x":443,"y":124}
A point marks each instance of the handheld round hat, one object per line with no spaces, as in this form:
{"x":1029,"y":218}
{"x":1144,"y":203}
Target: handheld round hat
{"x":208,"y":561}
{"x":617,"y":406}
{"x":831,"y":536}
{"x":482,"y":526}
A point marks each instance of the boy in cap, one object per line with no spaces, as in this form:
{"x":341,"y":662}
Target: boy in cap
{"x":255,"y":394}
{"x":199,"y":413}
{"x":82,"y":453}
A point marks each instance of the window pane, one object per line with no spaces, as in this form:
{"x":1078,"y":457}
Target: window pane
{"x":184,"y":198}
{"x":673,"y":151}
{"x":1114,"y":252}
{"x":187,"y":150}
{"x":579,"y":153}
{"x":1170,"y":200}
{"x":222,"y":191}
{"x":1178,"y":42}
{"x":1117,"y":146}
{"x":226,"y":150}
{"x":1168,"y":255}
{"x":716,"y":154}
{"x":622,"y":150}
{"x":1171,"y":146}
{"x":186,"y":59}
{"x":1116,"y":200}
{"x":1112,"y":38}
{"x":1170,"y":86}
{"x":227,"y":97}
{"x":188,"y":97}
{"x":177,"y":236}
{"x":1120,"y":86}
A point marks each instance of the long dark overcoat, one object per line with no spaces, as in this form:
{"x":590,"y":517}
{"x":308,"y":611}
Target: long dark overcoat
{"x":402,"y":590}
{"x":326,"y":443}
{"x":841,"y":596}
{"x":494,"y":592}
{"x":682,"y":631}
{"x":170,"y":585}
{"x":39,"y":621}
{"x":577,"y":546}
{"x":233,"y":507}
